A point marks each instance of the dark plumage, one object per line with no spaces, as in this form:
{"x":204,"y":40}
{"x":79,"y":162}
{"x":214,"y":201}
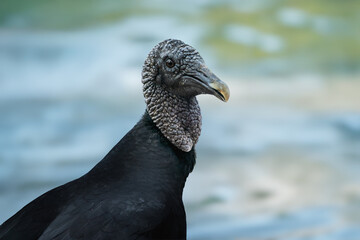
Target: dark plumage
{"x":135,"y":192}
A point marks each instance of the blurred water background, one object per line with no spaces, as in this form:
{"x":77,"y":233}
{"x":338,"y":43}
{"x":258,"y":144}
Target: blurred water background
{"x":280,"y":160}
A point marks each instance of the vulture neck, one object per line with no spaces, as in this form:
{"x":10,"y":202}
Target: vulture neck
{"x":178,"y":118}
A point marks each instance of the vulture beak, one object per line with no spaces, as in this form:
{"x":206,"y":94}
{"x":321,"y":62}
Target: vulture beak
{"x":210,"y":83}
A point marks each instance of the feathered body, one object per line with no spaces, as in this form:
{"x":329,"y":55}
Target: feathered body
{"x":132,"y":187}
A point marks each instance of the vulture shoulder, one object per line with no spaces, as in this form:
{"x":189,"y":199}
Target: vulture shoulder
{"x":115,"y":200}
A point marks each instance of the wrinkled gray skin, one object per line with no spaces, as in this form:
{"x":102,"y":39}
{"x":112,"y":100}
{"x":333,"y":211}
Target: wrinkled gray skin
{"x":170,"y":95}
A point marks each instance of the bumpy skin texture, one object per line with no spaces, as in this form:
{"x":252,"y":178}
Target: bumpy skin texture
{"x":135,"y":192}
{"x":174,"y":109}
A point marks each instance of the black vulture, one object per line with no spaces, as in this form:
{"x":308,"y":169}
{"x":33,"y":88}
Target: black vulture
{"x":135,"y":191}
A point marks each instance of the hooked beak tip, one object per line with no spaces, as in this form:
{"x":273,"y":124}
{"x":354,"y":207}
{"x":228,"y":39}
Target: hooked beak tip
{"x":222,"y":90}
{"x":210,"y":83}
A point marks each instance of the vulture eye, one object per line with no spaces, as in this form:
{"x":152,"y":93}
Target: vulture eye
{"x":169,"y":63}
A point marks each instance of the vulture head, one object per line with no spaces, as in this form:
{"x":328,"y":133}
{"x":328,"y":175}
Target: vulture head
{"x":174,"y":73}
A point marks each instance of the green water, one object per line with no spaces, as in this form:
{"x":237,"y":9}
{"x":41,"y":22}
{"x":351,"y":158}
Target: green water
{"x":253,"y":37}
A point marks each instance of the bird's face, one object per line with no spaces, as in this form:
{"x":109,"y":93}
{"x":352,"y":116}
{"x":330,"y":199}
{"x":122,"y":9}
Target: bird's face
{"x":181,"y":70}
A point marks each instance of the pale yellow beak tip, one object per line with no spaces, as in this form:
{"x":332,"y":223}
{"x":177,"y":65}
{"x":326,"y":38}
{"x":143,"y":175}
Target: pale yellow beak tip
{"x":222,"y":88}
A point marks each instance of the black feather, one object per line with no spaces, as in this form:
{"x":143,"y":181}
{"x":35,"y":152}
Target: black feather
{"x":135,"y":192}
